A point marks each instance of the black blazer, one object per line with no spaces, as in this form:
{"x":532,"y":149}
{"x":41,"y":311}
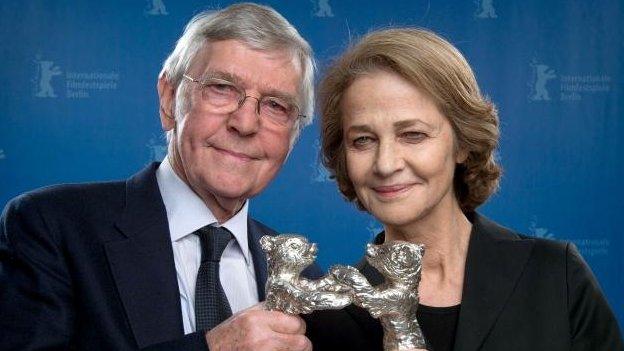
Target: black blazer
{"x":520,"y":293}
{"x":90,"y":267}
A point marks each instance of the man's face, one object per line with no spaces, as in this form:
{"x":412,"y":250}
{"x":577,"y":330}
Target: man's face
{"x":227,"y":158}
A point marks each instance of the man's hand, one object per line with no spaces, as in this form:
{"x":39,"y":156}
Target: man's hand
{"x":258,"y":329}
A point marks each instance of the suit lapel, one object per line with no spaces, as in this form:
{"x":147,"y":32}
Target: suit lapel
{"x":496,"y":258}
{"x":255,"y":232}
{"x":142,"y":264}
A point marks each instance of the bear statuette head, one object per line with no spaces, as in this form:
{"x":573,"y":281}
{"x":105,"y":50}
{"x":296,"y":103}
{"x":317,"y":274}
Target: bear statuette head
{"x":289,"y":251}
{"x":397,"y":260}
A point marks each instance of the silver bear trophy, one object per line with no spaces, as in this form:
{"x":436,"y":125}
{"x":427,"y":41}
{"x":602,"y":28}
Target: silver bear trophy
{"x":394,"y":302}
{"x":287,"y":256}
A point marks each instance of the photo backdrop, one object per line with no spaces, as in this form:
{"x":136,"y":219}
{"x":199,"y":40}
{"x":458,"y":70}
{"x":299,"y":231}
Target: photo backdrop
{"x":78,"y":103}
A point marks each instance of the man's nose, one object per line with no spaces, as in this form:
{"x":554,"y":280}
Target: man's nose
{"x":388,"y":159}
{"x":246,"y":119}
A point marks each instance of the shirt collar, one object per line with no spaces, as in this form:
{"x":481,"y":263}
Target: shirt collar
{"x":187,"y":212}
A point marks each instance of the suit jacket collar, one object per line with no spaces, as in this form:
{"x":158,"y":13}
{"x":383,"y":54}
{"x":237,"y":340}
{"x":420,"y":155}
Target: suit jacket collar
{"x":142,"y":263}
{"x":495,"y":260}
{"x":143,"y":267}
{"x":255,"y":232}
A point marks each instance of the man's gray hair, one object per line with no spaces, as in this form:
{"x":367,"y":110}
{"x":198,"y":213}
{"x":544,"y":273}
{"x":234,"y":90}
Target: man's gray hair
{"x":259,"y":27}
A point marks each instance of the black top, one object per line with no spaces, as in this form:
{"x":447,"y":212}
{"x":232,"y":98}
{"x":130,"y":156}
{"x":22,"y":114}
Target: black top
{"x":438,"y":325}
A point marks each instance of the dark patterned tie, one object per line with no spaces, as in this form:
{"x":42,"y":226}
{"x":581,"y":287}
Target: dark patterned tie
{"x":211,"y":304}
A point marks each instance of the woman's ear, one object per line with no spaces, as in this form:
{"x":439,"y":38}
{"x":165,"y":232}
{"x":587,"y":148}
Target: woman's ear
{"x":166,"y":95}
{"x":461,"y":156}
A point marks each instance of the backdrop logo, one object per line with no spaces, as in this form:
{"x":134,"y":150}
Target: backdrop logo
{"x":81,"y":85}
{"x":78,"y":85}
{"x":319,"y":172}
{"x":540,"y":232}
{"x":157,"y":148}
{"x":2,"y":155}
{"x":588,"y":247}
{"x":485,"y":9}
{"x":156,"y":8}
{"x":541,"y":74}
{"x":321,"y":8}
{"x":45,"y":71}
{"x":572,"y":87}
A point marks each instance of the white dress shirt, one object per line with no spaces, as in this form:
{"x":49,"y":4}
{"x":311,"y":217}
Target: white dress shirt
{"x":186,"y":212}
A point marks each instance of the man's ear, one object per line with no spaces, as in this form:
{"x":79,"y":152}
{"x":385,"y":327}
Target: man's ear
{"x":166,"y":96}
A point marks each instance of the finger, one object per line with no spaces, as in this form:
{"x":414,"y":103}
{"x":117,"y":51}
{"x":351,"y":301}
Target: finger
{"x":302,"y":326}
{"x":284,"y":323}
{"x":290,"y":342}
{"x":257,"y":307}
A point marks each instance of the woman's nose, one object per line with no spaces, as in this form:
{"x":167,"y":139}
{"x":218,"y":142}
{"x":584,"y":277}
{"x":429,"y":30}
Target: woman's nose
{"x":388,"y":159}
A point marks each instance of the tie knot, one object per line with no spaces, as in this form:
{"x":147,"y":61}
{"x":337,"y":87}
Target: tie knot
{"x":213,"y":242}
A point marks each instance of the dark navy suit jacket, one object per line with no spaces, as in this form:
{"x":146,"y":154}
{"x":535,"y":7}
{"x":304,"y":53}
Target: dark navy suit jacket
{"x":90,"y":267}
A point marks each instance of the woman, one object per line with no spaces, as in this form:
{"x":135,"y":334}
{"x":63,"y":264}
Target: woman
{"x":410,"y":139}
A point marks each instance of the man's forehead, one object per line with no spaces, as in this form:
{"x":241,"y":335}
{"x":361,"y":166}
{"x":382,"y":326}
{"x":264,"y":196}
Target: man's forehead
{"x":251,"y":68}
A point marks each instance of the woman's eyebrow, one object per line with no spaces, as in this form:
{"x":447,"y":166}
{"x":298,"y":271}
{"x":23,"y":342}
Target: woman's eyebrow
{"x":363,"y":128}
{"x":406,"y":123}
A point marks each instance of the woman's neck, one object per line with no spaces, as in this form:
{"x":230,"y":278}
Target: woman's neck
{"x":445,"y":232}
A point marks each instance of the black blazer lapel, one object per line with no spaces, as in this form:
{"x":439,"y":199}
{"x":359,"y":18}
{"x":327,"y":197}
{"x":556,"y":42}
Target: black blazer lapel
{"x":496,"y":258}
{"x":255,"y":231}
{"x":142,"y":264}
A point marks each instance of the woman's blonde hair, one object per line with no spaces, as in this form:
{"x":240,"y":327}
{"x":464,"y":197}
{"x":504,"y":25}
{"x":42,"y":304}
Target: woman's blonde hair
{"x":439,"y":70}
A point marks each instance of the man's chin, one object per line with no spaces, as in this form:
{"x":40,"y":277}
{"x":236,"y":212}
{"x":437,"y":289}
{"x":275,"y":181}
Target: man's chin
{"x":230,"y":196}
{"x":222,"y":198}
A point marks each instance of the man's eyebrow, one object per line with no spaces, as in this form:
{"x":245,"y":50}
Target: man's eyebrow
{"x":230,"y":77}
{"x":233,"y":78}
{"x":291,"y":99}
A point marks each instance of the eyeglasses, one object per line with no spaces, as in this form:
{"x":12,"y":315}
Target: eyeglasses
{"x":222,"y":96}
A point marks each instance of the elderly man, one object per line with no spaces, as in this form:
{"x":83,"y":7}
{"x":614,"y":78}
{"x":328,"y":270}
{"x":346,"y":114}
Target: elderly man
{"x":169,"y":258}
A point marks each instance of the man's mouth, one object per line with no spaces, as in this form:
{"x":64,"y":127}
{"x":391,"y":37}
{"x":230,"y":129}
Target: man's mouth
{"x":235,"y":154}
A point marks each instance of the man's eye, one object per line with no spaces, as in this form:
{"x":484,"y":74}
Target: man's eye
{"x":221,"y":89}
{"x":276,"y":106}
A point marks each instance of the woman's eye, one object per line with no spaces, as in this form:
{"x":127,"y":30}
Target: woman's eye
{"x":413,"y":136}
{"x":362,"y":141}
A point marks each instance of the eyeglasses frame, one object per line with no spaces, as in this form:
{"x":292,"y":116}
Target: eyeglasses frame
{"x":243,"y":94}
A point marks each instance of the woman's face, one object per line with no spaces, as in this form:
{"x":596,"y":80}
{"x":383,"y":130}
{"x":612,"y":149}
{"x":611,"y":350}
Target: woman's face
{"x":399,"y":149}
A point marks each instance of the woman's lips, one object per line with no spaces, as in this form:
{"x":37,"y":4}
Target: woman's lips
{"x":392,"y":190}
